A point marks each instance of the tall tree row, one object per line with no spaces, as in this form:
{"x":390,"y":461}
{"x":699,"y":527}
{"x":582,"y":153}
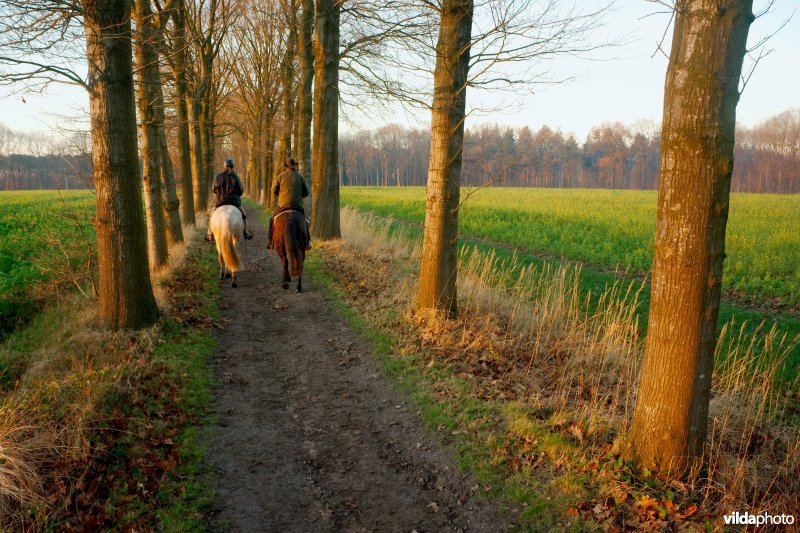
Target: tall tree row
{"x":702,"y":90}
{"x":125,"y":298}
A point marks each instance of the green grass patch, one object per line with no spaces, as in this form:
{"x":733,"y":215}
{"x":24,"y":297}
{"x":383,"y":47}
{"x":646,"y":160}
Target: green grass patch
{"x":45,"y":238}
{"x":510,"y":233}
{"x":610,"y":229}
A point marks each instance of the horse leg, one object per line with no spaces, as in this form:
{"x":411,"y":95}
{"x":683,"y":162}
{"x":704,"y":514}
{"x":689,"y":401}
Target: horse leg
{"x":300,"y":283}
{"x":233,"y":283}
{"x":286,"y":277}
{"x":221,"y":266}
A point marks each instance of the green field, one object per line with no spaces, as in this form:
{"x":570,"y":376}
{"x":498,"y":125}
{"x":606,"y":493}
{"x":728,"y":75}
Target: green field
{"x":608,"y":230}
{"x":41,"y":241}
{"x":611,"y":229}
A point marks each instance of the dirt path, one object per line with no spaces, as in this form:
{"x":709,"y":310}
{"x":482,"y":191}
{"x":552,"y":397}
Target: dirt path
{"x":310,"y":435}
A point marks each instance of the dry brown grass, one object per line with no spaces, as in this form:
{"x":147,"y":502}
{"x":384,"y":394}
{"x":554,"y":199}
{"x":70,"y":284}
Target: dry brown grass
{"x":527,"y":335}
{"x":70,"y":366}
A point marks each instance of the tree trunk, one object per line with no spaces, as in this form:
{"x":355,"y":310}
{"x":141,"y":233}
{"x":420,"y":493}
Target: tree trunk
{"x":181,"y":94}
{"x":196,"y":155}
{"x":253,"y":164}
{"x":305,"y":49}
{"x":325,"y":179}
{"x":267,"y":161}
{"x":208,"y":141}
{"x":287,"y":82}
{"x":148,"y":77}
{"x":439,"y":263}
{"x":125,"y":298}
{"x":671,"y":417}
{"x":171,"y":202}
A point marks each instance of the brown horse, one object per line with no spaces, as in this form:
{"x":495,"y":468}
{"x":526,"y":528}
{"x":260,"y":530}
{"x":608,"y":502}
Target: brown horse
{"x":290,"y":238}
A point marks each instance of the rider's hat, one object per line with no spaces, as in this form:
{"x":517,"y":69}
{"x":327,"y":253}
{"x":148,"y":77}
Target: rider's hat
{"x":290,"y":163}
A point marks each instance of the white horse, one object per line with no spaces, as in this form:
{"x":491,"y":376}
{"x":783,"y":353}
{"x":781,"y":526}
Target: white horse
{"x":227,"y":226}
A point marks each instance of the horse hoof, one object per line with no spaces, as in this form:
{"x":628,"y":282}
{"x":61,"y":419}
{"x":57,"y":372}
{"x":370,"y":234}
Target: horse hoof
{"x":227,"y":275}
{"x":234,"y":284}
{"x":299,"y":289}
{"x":285,"y":285}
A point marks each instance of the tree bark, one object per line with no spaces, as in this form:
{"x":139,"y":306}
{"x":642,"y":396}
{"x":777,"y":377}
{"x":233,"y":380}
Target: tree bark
{"x":171,"y":202}
{"x":439,"y":261}
{"x":125,"y":298}
{"x":325,"y":163}
{"x":287,"y":93}
{"x":181,"y":94}
{"x":305,"y":51}
{"x":671,"y":416}
{"x":147,"y":68}
{"x":267,"y":161}
{"x":199,"y":193}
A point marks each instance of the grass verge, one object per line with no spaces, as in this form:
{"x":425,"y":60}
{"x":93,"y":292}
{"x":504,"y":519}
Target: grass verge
{"x":99,"y":429}
{"x":536,"y":386}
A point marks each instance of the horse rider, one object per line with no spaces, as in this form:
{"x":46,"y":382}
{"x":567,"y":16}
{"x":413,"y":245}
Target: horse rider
{"x":228,"y":190}
{"x":289,"y":189}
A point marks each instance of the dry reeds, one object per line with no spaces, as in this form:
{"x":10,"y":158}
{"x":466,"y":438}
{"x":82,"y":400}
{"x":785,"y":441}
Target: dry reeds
{"x":532,"y":335}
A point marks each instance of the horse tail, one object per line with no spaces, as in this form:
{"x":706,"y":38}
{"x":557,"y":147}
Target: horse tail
{"x":295,"y":252}
{"x":229,"y":254}
{"x":226,"y":223}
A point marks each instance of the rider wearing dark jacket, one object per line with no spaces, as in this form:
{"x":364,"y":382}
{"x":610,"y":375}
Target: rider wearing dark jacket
{"x":289,"y":189}
{"x":228,"y":190}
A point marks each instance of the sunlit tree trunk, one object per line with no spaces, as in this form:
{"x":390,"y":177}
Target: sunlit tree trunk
{"x":171,"y":202}
{"x":439,"y":262}
{"x":305,"y":50}
{"x":671,"y":416}
{"x":325,"y":164}
{"x":148,"y":77}
{"x":125,"y":297}
{"x":268,"y":160}
{"x":181,"y":94}
{"x":196,"y":156}
{"x":287,"y":93}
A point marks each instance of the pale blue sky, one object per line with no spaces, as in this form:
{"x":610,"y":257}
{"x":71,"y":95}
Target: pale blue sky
{"x":624,"y":84}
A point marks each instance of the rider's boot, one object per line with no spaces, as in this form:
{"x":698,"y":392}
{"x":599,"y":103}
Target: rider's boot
{"x":208,"y":236}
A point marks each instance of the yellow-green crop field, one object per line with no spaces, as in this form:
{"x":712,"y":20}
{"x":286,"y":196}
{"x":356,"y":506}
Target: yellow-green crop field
{"x":43,"y":236}
{"x":609,"y":229}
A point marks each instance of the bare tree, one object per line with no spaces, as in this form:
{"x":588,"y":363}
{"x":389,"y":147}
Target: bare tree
{"x":325,"y":165}
{"x":519,"y":33}
{"x":207,"y":24}
{"x":702,"y":90}
{"x":148,"y":78}
{"x":305,"y":54}
{"x":176,"y":45}
{"x":125,"y":296}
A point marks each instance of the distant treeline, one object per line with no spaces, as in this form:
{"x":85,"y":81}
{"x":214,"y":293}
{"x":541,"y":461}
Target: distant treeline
{"x":767,"y":157}
{"x":25,"y":172}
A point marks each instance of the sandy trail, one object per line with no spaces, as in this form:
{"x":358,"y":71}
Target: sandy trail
{"x":310,"y":436}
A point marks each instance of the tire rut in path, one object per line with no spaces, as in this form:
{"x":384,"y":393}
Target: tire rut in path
{"x":309,"y":435}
